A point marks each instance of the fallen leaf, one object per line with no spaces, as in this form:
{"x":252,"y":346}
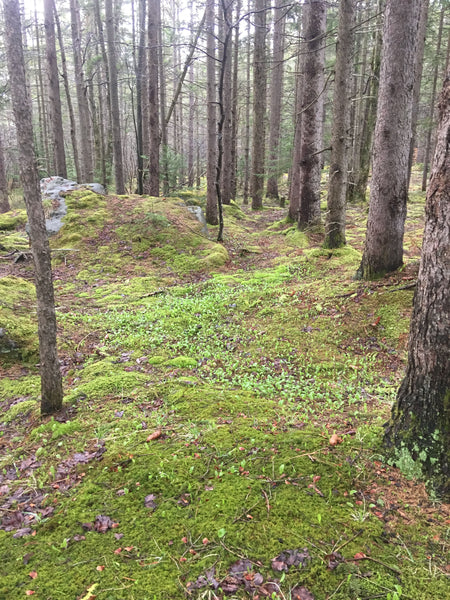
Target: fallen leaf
{"x":149,"y":501}
{"x":335,"y":439}
{"x":29,"y":592}
{"x":100,"y":567}
{"x":155,"y":435}
{"x":118,"y":551}
{"x":359,"y":556}
{"x":32,"y":574}
{"x":205,"y":541}
{"x":301,"y":593}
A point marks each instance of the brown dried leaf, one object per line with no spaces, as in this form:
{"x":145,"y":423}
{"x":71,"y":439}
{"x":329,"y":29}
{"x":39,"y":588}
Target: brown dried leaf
{"x":155,"y":435}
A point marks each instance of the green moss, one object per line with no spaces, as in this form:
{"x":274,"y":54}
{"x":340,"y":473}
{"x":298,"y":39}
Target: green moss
{"x":12,"y":220}
{"x":217,"y":258}
{"x":347,"y":255}
{"x":17,"y":317}
{"x":17,"y":240}
{"x":16,"y":388}
{"x":182,"y":362}
{"x":19,"y":409}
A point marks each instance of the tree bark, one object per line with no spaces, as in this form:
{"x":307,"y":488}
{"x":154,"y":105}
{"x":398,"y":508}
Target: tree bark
{"x":51,"y":382}
{"x":4,"y":199}
{"x":114,"y":98}
{"x":211,"y":194}
{"x":87,"y":166}
{"x":227,"y":160}
{"x":312,"y":118}
{"x":432,"y":109}
{"x":248,"y":95}
{"x":419,"y":427}
{"x":259,"y":105}
{"x":383,"y":250}
{"x":65,"y":76}
{"x":276,"y":93}
{"x":340,"y":136}
{"x":55,"y":113}
{"x":152,"y":184}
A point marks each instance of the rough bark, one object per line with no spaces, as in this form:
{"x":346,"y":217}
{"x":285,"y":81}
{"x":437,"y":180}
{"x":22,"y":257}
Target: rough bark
{"x":340,"y":136}
{"x":114,"y":97}
{"x":55,"y":113}
{"x":432,"y":108}
{"x":259,"y":105}
{"x":51,"y":382}
{"x":234,"y":102}
{"x":140,"y":73}
{"x":248,"y":92}
{"x":383,"y":250}
{"x":152,"y":184}
{"x":419,"y":427}
{"x":418,"y":68}
{"x":276,"y":93}
{"x":86,"y":162}
{"x":211,"y":196}
{"x":4,"y":199}
{"x":312,"y":118}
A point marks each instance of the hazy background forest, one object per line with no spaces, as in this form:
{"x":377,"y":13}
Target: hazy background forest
{"x":224,"y":358}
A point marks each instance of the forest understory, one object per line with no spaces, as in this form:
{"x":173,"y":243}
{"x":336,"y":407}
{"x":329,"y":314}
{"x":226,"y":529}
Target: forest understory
{"x":221,"y":434}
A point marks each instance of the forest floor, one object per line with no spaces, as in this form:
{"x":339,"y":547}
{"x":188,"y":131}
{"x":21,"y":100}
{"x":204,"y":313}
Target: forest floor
{"x":222,"y":427}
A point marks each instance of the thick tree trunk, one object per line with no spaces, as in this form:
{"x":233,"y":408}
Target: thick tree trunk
{"x":140,"y":73}
{"x":152,"y":184}
{"x":55,"y":113}
{"x":87,"y":167}
{"x":340,"y":137}
{"x":276,"y":93}
{"x":259,"y":105}
{"x":227,"y":164}
{"x":312,"y":118}
{"x":248,"y":92}
{"x":51,"y":382}
{"x":383,"y":250}
{"x":234,"y":102}
{"x":114,"y":98}
{"x":419,"y":428}
{"x":4,"y":199}
{"x":211,"y":195}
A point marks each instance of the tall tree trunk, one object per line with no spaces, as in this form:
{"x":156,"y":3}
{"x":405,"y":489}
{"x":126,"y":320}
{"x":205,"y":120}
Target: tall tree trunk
{"x":383,"y":250}
{"x":4,"y":199}
{"x":294,"y":175}
{"x":234,"y":102}
{"x":432,"y":109}
{"x":418,"y":68}
{"x":47,"y":159}
{"x":152,"y":184}
{"x":162,"y":99}
{"x":227,"y":164}
{"x":312,"y":119}
{"x":340,"y":136}
{"x":114,"y":97}
{"x":248,"y":95}
{"x":55,"y":113}
{"x":259,"y":105}
{"x":419,"y":427}
{"x":51,"y":382}
{"x":276,"y":93}
{"x":87,"y":166}
{"x":140,"y":73}
{"x":65,"y":76}
{"x":211,"y":194}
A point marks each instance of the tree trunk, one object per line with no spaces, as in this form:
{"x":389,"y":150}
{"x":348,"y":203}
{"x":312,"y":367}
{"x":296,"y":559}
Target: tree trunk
{"x":259,"y":105}
{"x":46,"y":159}
{"x":312,"y":118}
{"x":294,"y":175}
{"x":114,"y":97}
{"x":383,"y":250}
{"x":162,"y":99}
{"x":418,"y":68}
{"x":432,"y":109}
{"x":87,"y":167}
{"x":276,"y":93}
{"x":340,"y":136}
{"x":234,"y":102}
{"x":4,"y":199}
{"x":248,"y":95}
{"x":73,"y":127}
{"x":211,"y":195}
{"x":419,"y":428}
{"x":51,"y":382}
{"x":140,"y":74}
{"x":55,"y":113}
{"x":227,"y":164}
{"x":152,"y":184}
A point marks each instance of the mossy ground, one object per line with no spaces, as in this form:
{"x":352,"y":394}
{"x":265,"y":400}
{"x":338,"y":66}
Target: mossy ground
{"x":213,"y":386}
